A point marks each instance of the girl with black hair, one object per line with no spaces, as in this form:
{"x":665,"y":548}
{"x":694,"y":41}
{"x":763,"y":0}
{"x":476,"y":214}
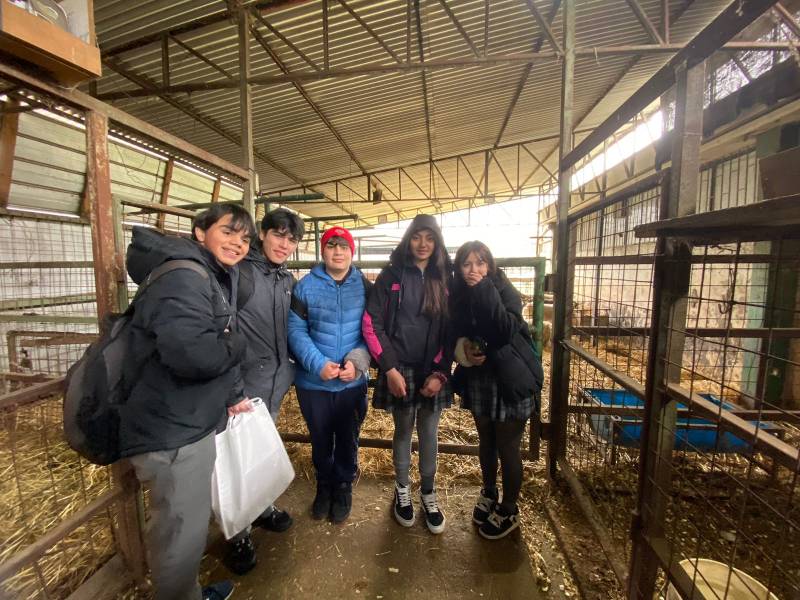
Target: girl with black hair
{"x":405,"y":329}
{"x":498,"y":376}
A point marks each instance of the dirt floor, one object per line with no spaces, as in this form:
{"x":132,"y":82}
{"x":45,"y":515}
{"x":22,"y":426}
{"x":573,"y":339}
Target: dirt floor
{"x":371,"y":556}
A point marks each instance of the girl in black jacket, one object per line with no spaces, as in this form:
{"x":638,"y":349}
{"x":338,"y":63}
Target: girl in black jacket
{"x":404,"y":327}
{"x":499,"y":378}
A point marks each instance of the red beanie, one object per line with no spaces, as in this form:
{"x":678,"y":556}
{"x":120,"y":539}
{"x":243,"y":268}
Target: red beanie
{"x":338,"y":232}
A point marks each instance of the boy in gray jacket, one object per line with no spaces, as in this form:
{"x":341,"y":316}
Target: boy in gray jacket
{"x":263,"y":299}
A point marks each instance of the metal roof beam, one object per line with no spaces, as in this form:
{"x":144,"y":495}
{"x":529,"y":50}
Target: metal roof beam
{"x":788,"y":18}
{"x":314,"y":106}
{"x":725,"y":26}
{"x":544,"y":26}
{"x":645,"y":21}
{"x":460,"y":27}
{"x":274,"y":30}
{"x":202,"y":57}
{"x":370,"y":31}
{"x":424,"y":79}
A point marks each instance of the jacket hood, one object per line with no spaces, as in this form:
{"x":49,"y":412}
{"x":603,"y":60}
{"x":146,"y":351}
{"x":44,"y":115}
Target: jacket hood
{"x":400,"y":256}
{"x":149,"y":248}
{"x":256,"y":256}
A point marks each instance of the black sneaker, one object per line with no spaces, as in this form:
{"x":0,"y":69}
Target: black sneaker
{"x":434,"y":517}
{"x":222,"y":590}
{"x":484,"y":507}
{"x":321,"y":507}
{"x":499,"y":524}
{"x":277,"y":521}
{"x":403,"y":509}
{"x":240,"y":556}
{"x":342,"y":502}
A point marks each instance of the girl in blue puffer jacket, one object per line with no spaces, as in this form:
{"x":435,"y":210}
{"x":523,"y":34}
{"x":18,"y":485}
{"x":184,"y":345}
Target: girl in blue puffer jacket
{"x":331,"y":378}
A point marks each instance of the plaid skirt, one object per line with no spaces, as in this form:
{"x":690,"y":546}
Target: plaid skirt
{"x":384,"y":400}
{"x":481,"y":398}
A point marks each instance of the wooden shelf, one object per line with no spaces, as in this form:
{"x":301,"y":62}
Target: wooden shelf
{"x":770,"y":219}
{"x":66,"y":57}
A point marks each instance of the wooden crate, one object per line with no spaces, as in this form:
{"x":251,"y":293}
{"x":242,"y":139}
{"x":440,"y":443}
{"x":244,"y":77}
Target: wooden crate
{"x":69,"y":59}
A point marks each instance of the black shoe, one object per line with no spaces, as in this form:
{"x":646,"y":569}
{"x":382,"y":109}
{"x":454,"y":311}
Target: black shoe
{"x":277,"y":521}
{"x":500,"y":523}
{"x":321,"y":507}
{"x":403,"y":509}
{"x":222,"y":590}
{"x":434,"y":517}
{"x":484,"y":507}
{"x":240,"y":556}
{"x":342,"y":502}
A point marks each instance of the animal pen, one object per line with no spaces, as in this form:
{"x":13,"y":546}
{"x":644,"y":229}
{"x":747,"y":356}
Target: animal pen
{"x":673,"y":406}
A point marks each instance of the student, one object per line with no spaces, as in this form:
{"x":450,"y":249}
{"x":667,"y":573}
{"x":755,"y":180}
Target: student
{"x":183,"y":328}
{"x":405,"y":327}
{"x":499,"y":379}
{"x":263,"y":300}
{"x":331,"y":380}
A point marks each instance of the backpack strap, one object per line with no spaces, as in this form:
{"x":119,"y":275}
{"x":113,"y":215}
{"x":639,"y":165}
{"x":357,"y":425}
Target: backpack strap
{"x":247,"y":284}
{"x":166,"y":267}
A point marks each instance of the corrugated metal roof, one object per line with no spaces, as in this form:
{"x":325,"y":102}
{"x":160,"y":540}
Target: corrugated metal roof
{"x":381,"y":117}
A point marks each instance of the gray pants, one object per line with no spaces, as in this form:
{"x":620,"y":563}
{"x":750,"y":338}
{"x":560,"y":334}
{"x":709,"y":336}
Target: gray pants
{"x":180,"y":507}
{"x":427,"y":421}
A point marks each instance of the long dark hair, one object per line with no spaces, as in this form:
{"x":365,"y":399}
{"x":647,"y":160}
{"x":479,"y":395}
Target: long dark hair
{"x":439,"y":269}
{"x":482,"y":250}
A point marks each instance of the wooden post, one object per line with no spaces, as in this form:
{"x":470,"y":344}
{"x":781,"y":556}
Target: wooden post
{"x":246,"y":113}
{"x":671,"y":278}
{"x":165,"y":192}
{"x":108,"y":279}
{"x":559,"y":385}
{"x":215,"y":191}
{"x":8,"y":143}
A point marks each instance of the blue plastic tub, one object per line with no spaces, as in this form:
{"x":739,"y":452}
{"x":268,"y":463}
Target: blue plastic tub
{"x":692,"y":434}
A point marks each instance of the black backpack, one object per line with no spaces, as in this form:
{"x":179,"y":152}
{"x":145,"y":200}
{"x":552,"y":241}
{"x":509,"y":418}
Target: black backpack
{"x":95,"y":386}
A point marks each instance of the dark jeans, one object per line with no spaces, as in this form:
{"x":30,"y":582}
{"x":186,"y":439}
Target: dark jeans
{"x":501,"y":440}
{"x":334,"y":420}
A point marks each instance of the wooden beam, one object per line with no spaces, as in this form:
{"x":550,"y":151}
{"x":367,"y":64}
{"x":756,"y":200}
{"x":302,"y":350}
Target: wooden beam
{"x":156,"y":207}
{"x":167,"y":180}
{"x":645,"y":21}
{"x":9,"y":124}
{"x":215,"y":191}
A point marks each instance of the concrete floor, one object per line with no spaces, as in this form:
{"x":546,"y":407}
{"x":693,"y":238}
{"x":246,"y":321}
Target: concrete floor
{"x":371,"y":556}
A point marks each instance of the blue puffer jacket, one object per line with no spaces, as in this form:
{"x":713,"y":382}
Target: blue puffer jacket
{"x":324,"y":325}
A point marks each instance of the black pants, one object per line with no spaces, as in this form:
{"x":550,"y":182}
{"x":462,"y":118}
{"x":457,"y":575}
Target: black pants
{"x":501,"y":440}
{"x":334,"y":421}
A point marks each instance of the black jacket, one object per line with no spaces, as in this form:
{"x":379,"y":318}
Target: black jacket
{"x":381,"y":330}
{"x":268,"y":373}
{"x":181,"y":332}
{"x":492,"y":311}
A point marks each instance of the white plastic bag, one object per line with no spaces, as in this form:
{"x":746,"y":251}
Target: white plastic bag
{"x":251,"y":471}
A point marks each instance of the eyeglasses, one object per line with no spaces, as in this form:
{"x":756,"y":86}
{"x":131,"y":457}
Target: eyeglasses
{"x":333,"y":244}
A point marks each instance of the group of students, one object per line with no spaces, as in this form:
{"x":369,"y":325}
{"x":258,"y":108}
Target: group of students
{"x":246,"y":329}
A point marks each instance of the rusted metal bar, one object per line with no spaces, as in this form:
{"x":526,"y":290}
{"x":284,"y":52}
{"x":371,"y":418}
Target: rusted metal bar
{"x":167,"y":180}
{"x":9,"y":123}
{"x":544,"y":26}
{"x":559,"y":374}
{"x":675,"y":573}
{"x":627,"y":382}
{"x":165,"y":61}
{"x":762,"y":416}
{"x":781,"y":333}
{"x":665,"y":21}
{"x":251,"y":187}
{"x":276,"y":32}
{"x":671,"y":277}
{"x":155,"y":207}
{"x":788,"y":18}
{"x":783,"y":453}
{"x":119,"y":117}
{"x":459,"y":26}
{"x":594,"y":520}
{"x":37,"y":549}
{"x":724,"y":27}
{"x":423,"y":77}
{"x":645,"y":21}
{"x":202,"y":57}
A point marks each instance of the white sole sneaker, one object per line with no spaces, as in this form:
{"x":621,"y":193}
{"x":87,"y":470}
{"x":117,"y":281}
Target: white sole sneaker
{"x":401,"y":520}
{"x":436,"y":529}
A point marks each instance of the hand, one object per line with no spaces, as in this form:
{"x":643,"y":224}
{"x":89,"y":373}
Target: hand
{"x":431,"y":387}
{"x":473,"y":356}
{"x":240,"y":407}
{"x":473,"y":279}
{"x":397,"y":385}
{"x":349,"y":371}
{"x":329,"y":371}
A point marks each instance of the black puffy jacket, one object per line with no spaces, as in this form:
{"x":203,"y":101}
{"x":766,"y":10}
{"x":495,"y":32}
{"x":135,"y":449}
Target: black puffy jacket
{"x":492,"y":311}
{"x":181,"y":332}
